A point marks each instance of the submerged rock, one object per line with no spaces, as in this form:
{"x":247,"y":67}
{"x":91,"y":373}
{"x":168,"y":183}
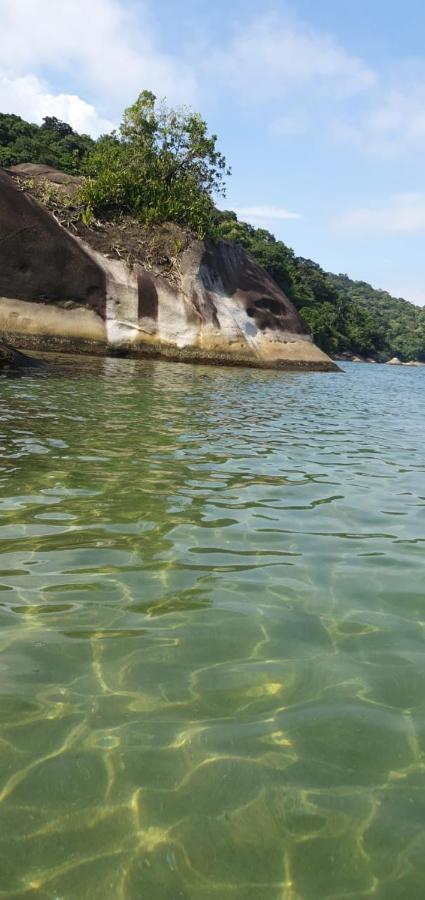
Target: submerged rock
{"x":71,"y":290}
{"x":413,"y":363}
{"x":11,"y":359}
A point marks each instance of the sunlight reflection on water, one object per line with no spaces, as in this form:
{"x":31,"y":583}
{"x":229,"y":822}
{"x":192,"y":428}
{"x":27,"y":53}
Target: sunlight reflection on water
{"x":212,"y":633}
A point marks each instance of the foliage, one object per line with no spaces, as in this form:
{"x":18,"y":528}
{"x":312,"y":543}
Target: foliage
{"x":54,"y":143}
{"x":162,"y":165}
{"x":401,"y":322}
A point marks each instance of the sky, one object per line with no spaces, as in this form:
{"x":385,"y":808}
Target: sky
{"x":319,"y":107}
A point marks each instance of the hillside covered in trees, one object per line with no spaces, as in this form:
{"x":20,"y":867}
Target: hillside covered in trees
{"x":402,"y":323}
{"x":54,"y":143}
{"x":162,"y":165}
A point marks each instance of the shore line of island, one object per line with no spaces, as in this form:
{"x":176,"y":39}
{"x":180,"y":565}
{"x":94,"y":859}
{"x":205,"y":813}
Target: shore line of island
{"x":395,"y":361}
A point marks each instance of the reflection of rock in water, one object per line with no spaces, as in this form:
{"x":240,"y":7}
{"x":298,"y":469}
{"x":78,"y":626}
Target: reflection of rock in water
{"x":67,"y":290}
{"x":112,"y":366}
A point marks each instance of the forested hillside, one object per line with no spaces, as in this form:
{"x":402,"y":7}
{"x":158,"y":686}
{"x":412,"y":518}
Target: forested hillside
{"x":54,"y":143}
{"x":402,"y":323}
{"x":162,"y":164}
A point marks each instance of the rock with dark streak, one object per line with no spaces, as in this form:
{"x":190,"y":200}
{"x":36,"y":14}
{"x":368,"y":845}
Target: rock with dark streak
{"x":101,"y":289}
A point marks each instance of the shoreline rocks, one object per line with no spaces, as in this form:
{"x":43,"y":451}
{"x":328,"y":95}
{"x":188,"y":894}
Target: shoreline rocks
{"x":388,"y":362}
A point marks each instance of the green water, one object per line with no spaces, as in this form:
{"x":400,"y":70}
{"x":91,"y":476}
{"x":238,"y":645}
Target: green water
{"x":212,"y":623}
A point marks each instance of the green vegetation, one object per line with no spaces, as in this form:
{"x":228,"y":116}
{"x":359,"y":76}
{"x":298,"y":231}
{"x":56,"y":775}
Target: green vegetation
{"x":54,"y":143}
{"x":162,"y":165}
{"x":402,"y":323}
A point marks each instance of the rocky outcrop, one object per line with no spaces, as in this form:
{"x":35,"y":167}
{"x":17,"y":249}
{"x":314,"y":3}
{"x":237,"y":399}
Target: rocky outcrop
{"x":58,"y":290}
{"x":414,"y":364}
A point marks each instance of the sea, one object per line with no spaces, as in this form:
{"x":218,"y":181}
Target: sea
{"x":212,"y":633}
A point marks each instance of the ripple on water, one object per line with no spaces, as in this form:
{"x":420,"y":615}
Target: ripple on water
{"x":212,"y":634}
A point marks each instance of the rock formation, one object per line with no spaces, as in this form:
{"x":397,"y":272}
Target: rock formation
{"x":59,"y":290}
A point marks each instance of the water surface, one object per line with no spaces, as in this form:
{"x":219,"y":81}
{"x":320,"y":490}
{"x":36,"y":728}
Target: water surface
{"x":212,"y":622}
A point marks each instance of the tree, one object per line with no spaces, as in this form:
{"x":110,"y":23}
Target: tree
{"x":56,"y":127}
{"x":161,"y":165}
{"x":53,"y":143}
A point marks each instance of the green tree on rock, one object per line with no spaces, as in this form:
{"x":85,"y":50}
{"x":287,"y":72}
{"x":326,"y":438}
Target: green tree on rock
{"x":161,"y":165}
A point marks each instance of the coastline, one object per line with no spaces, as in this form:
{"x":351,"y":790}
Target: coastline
{"x":413,"y":363}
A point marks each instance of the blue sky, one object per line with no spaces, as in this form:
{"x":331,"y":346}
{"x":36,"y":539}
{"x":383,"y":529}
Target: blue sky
{"x":319,"y":107}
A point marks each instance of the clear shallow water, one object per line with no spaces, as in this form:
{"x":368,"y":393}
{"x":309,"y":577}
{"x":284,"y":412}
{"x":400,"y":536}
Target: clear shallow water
{"x":212,"y":622}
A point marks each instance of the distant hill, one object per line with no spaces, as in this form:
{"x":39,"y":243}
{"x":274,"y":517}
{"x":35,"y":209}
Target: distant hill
{"x":402,"y":323}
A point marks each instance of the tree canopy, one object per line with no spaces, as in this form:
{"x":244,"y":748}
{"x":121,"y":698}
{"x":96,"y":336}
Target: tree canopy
{"x":162,"y":164}
{"x":54,"y":143}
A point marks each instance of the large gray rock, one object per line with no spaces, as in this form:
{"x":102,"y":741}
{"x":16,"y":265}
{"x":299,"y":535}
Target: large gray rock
{"x":58,"y":290}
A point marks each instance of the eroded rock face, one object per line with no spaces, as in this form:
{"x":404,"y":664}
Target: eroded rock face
{"x":39,"y":261}
{"x":58,"y":291}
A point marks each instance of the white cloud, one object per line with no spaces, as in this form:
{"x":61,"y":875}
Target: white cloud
{"x":98,"y":48}
{"x":266,"y":213}
{"x":395,"y":123}
{"x":289,"y":126}
{"x":404,"y":214}
{"x":28,"y":97}
{"x":84,"y":61}
{"x":274,"y":55}
{"x":101,"y":53}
